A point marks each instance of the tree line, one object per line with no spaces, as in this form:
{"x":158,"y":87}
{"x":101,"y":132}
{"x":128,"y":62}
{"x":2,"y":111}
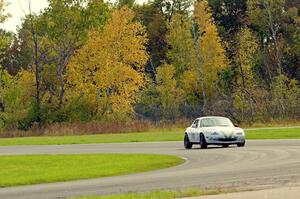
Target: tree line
{"x":164,"y":60}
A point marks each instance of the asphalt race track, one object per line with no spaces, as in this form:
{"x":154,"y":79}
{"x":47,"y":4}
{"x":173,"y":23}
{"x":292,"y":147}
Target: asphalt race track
{"x":260,"y":164}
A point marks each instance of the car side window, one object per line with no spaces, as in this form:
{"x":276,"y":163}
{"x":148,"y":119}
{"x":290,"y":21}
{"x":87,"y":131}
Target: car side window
{"x":202,"y":123}
{"x":195,"y":124}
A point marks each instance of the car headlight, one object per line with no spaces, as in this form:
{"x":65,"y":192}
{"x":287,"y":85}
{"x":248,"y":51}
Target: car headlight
{"x":240,"y":133}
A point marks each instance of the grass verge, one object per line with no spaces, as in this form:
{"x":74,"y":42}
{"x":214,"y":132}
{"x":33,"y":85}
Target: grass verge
{"x":273,"y":133}
{"x":35,"y":169}
{"x":171,"y":135}
{"x":159,"y":194}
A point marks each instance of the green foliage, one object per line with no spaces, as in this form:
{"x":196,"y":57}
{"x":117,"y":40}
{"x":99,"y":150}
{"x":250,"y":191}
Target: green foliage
{"x":154,"y":19}
{"x":276,"y":22}
{"x":162,"y":101}
{"x":286,"y":97}
{"x":182,"y":50}
{"x":230,"y":16}
{"x":17,"y":101}
{"x":79,"y":109}
{"x":262,"y":12}
{"x":128,"y":3}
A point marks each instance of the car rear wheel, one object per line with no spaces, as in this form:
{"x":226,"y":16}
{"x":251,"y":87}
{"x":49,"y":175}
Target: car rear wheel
{"x":203,"y":143}
{"x":187,"y":143}
{"x":241,"y":144}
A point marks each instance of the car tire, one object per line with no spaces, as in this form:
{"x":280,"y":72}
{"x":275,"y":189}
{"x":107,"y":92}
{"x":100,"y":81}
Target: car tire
{"x":241,"y":144}
{"x":225,"y":145}
{"x":203,"y":143}
{"x":187,"y":143}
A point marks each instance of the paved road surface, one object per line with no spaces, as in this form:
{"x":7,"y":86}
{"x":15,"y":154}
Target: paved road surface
{"x":260,"y":164}
{"x":278,"y":193}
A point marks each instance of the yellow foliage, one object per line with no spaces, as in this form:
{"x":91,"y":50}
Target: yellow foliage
{"x":247,"y":95}
{"x":212,"y":53}
{"x":247,"y":47}
{"x":170,"y":95}
{"x":203,"y":16}
{"x":26,"y":80}
{"x":190,"y":82}
{"x":109,"y":67}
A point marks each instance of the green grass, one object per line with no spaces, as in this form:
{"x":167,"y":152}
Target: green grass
{"x":158,"y":194}
{"x":172,"y":135}
{"x":280,"y":133}
{"x":35,"y":169}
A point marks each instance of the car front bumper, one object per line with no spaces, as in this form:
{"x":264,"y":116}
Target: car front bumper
{"x":225,"y":139}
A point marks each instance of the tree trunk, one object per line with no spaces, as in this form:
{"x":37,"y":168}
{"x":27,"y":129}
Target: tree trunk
{"x":201,"y":75}
{"x":37,"y":66}
{"x":274,"y":28}
{"x":37,"y":72}
{"x":2,"y":109}
{"x":62,"y":90}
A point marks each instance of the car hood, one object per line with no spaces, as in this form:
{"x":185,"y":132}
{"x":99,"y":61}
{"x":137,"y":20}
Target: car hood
{"x":223,"y":130}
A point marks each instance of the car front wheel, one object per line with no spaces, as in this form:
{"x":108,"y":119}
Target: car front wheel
{"x":187,"y":143}
{"x":241,"y":144}
{"x":203,"y":144}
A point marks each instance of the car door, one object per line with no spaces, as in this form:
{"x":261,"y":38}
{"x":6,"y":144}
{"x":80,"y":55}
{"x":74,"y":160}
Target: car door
{"x":194,"y":134}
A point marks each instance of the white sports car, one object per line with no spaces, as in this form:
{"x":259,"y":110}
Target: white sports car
{"x":213,"y":131}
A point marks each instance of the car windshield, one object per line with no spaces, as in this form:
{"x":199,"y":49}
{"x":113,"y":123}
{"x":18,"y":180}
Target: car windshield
{"x":210,"y":122}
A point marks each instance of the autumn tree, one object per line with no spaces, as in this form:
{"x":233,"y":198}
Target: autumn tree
{"x":163,"y":100}
{"x":4,"y":81}
{"x":109,"y":67}
{"x":3,"y":15}
{"x":269,"y":18}
{"x":156,"y":15}
{"x":182,"y":55}
{"x":17,"y":90}
{"x":128,"y":3}
{"x":17,"y":96}
{"x":210,"y":52}
{"x":246,"y":85}
{"x":172,"y":7}
{"x":230,"y":16}
{"x":19,"y":54}
{"x":170,"y":95}
{"x":285,"y":97}
{"x":4,"y":43}
{"x":86,"y":60}
{"x":44,"y":44}
{"x":182,"y":52}
{"x":154,"y":20}
{"x":66,"y":23}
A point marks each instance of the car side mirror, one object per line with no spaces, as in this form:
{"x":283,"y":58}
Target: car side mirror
{"x":236,"y":125}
